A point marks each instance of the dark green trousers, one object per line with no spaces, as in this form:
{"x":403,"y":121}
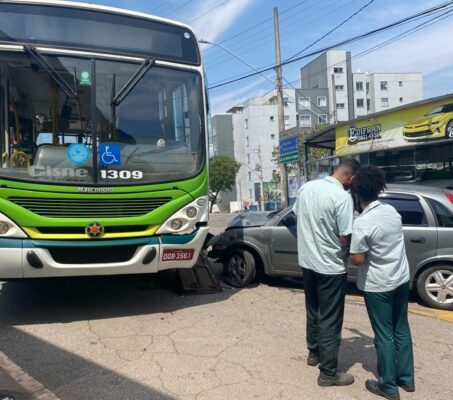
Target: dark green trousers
{"x":393,"y":342}
{"x":324,"y":303}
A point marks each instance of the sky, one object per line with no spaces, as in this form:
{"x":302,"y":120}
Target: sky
{"x":245,"y":28}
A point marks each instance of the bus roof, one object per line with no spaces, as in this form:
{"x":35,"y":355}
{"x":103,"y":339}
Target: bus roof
{"x":99,"y":7}
{"x":69,"y":25}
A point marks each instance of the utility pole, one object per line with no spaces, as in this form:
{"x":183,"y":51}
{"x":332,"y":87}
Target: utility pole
{"x":280,"y":106}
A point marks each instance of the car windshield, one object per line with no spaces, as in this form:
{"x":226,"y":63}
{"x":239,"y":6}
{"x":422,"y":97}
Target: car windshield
{"x":440,"y":109}
{"x":49,"y":133}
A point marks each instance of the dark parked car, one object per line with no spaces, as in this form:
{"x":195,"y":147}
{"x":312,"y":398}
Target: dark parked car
{"x":270,"y":246}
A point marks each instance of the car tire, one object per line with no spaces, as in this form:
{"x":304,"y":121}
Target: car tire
{"x":239,"y":268}
{"x":449,"y":130}
{"x":434,"y":288}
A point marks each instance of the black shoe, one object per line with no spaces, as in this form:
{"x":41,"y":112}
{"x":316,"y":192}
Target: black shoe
{"x":339,"y":379}
{"x":406,"y":388}
{"x":312,"y":359}
{"x":373,"y":387}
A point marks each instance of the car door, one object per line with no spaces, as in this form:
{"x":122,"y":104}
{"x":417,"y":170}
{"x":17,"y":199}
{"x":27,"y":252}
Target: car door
{"x":283,"y":246}
{"x":419,"y":226}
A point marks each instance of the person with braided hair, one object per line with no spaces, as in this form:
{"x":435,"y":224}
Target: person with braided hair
{"x":377,"y":248}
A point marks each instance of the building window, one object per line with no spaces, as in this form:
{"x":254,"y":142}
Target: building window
{"x":359,"y":102}
{"x":384,"y":85}
{"x":304,"y":102}
{"x":367,"y":87}
{"x":368,"y":104}
{"x":246,"y":123}
{"x":400,"y":83}
{"x":250,"y":193}
{"x":287,"y":120}
{"x":285,"y":101}
{"x":339,"y":87}
{"x":359,"y":86}
{"x":305,"y":120}
{"x":338,"y":70}
{"x":272,"y":135}
{"x":271,"y":117}
{"x":322,"y":119}
{"x":250,"y":175}
{"x":340,"y":105}
{"x":248,"y":158}
{"x":384,"y":101}
{"x":401,"y":99}
{"x":322,"y":101}
{"x":247,"y":141}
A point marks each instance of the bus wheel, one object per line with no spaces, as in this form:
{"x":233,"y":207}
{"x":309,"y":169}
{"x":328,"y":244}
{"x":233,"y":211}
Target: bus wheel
{"x":239,"y":268}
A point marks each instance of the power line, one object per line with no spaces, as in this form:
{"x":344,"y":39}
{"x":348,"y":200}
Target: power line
{"x":332,"y":30}
{"x":254,"y":46}
{"x":258,"y":24}
{"x":178,"y":8}
{"x":350,"y":40}
{"x":164,"y":3}
{"x":208,"y":11}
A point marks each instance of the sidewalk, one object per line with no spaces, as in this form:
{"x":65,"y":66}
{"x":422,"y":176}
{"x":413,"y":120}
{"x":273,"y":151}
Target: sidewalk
{"x":16,"y":384}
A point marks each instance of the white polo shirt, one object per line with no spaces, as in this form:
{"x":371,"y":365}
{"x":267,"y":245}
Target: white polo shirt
{"x":324,"y":213}
{"x":378,"y":232}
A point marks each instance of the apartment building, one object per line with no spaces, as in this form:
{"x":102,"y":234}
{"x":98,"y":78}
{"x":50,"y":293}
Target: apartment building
{"x":349,"y":95}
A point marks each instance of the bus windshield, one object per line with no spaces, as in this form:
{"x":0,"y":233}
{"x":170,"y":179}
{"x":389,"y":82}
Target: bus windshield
{"x":84,"y":135}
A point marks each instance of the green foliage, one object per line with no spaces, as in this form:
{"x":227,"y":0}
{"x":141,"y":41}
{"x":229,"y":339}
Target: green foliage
{"x":222,"y":176}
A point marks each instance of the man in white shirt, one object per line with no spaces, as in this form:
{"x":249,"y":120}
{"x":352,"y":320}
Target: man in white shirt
{"x":324,"y":224}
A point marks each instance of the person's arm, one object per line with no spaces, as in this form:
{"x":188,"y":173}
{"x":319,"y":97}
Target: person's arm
{"x":358,"y":258}
{"x":345,"y":241}
{"x":359,"y":244}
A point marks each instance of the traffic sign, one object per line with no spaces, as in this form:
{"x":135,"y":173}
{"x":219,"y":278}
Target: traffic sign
{"x":289,"y":145}
{"x":286,"y":158}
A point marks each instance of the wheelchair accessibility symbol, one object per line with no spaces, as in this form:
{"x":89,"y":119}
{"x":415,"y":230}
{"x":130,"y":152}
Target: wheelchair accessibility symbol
{"x":110,"y":154}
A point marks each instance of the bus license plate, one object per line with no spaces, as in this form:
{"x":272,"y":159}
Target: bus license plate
{"x":177,"y":254}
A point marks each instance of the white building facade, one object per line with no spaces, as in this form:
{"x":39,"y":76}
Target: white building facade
{"x":351,"y":95}
{"x":255,"y":135}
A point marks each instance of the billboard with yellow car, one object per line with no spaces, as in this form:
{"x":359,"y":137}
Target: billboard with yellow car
{"x":421,"y":122}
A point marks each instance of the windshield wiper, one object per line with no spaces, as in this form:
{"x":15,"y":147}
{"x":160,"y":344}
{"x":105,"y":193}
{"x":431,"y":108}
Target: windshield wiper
{"x":34,"y":53}
{"x":132,"y":82}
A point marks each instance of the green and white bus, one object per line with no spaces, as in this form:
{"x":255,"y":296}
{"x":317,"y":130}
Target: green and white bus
{"x":103,"y":142}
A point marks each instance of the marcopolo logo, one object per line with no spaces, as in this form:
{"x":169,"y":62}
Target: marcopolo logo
{"x":356,"y":135}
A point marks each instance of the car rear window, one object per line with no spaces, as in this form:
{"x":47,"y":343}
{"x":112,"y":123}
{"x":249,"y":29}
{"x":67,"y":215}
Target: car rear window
{"x":411,"y":210}
{"x":443,"y":215}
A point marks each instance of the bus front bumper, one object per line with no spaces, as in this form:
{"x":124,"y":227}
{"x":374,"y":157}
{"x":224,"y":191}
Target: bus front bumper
{"x":26,"y":258}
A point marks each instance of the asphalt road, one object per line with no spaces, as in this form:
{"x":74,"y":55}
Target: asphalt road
{"x":137,"y":337}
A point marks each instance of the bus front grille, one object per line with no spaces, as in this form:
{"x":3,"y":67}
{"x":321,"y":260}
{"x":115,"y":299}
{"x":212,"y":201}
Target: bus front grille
{"x":84,"y":208}
{"x":92,"y":255}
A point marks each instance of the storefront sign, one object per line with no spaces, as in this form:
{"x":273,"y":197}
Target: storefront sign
{"x":428,"y":122}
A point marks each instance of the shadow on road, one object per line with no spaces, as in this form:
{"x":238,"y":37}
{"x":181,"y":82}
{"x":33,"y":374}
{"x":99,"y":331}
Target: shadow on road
{"x":63,"y":300}
{"x":67,"y":375}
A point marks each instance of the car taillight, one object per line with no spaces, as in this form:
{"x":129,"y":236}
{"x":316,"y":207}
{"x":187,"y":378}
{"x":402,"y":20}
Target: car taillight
{"x":450,"y":197}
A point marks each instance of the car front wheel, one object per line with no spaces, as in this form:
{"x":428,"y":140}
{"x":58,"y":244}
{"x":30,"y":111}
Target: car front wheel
{"x":435,"y":286}
{"x":239,"y":268}
{"x":449,"y":129}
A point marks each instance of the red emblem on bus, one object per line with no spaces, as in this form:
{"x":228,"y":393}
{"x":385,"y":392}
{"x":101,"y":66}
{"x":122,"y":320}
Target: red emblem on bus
{"x":94,"y":230}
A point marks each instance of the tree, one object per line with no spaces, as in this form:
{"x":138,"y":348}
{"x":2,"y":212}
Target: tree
{"x":222,"y":175}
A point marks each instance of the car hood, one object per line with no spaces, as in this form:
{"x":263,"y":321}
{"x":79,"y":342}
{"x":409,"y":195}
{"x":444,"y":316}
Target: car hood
{"x":248,"y":219}
{"x":426,"y":119}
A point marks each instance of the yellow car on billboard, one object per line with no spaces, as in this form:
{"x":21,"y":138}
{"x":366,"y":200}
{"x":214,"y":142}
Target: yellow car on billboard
{"x":436,"y":124}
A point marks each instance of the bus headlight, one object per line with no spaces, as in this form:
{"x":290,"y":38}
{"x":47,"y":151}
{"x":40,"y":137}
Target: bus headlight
{"x":191,"y":212}
{"x":9,"y":229}
{"x":176,"y":224}
{"x":185,"y":220}
{"x":4,"y":227}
